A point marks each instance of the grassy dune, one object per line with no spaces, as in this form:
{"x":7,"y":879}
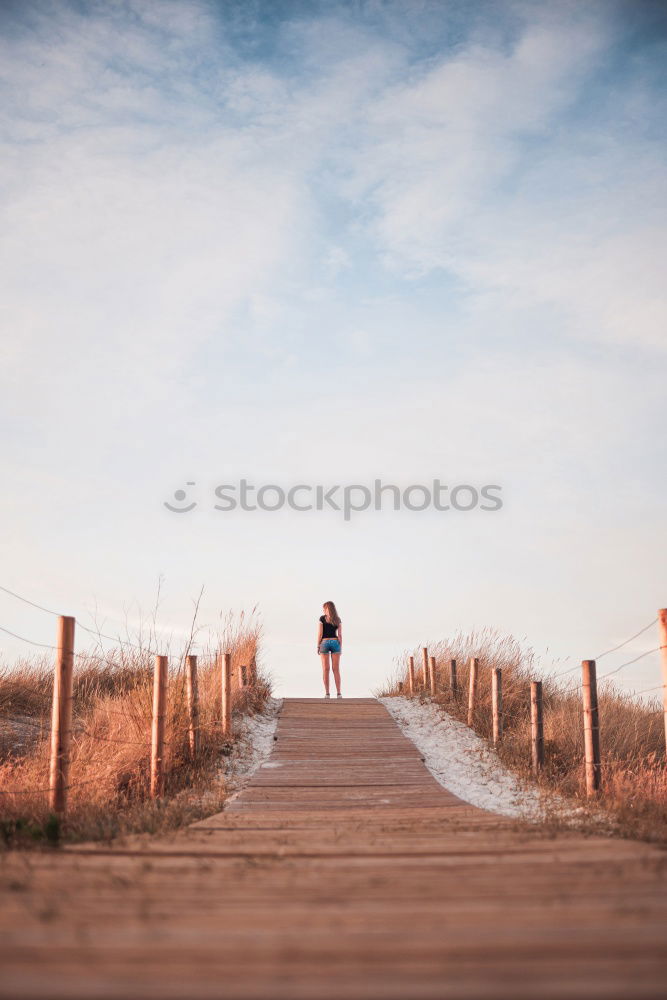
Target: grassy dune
{"x":110,"y":757}
{"x":632,"y":737}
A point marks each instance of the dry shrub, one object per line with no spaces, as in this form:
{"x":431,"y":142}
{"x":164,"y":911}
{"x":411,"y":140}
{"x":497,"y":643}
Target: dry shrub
{"x":111,"y":738}
{"x":632,"y":738}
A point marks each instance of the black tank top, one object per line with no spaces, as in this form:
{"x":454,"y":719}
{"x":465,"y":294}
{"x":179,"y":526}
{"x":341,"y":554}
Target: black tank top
{"x":329,"y":631}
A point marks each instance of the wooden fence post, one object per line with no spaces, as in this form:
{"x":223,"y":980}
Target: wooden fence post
{"x":160,"y":679}
{"x":536,"y":726}
{"x":226,"y":692}
{"x":252,"y":676}
{"x":589,"y":693}
{"x":243,"y":676}
{"x":411,"y":674}
{"x":472,"y":688}
{"x":400,"y":687}
{"x":193,"y":705}
{"x":453,"y":682}
{"x":61,"y":716}
{"x":433,"y":676}
{"x":662,"y":632}
{"x":497,"y":704}
{"x":425,"y":667}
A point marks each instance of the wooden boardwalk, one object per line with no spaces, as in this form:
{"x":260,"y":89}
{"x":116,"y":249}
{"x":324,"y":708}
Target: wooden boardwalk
{"x":344,"y":870}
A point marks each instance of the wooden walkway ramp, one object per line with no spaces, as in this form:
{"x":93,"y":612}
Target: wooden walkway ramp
{"x":344,"y":870}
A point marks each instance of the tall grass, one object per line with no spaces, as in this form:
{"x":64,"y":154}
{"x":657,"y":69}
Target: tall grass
{"x":110,"y":753}
{"x":634,"y":774}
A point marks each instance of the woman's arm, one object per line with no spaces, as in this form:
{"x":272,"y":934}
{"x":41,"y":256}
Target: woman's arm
{"x":319,"y":635}
{"x":340,"y":635}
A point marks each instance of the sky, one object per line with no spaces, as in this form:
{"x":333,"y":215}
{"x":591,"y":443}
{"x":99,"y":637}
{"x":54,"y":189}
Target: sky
{"x":327,"y":243}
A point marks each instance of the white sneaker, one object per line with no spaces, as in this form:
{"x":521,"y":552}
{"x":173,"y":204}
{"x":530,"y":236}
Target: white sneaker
{"x":327,"y":696}
{"x":339,"y":695}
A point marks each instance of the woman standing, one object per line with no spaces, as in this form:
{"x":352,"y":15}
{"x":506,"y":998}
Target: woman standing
{"x":330,"y":643}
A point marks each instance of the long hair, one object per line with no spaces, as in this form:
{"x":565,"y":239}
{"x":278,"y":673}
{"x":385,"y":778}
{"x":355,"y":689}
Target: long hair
{"x":330,"y":613}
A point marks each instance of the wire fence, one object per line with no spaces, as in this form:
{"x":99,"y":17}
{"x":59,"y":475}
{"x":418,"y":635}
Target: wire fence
{"x":528,"y":715}
{"x":155,"y":714}
{"x":91,"y":631}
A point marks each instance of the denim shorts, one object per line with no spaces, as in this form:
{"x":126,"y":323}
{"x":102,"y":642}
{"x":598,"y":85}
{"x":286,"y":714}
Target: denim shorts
{"x":330,"y":646}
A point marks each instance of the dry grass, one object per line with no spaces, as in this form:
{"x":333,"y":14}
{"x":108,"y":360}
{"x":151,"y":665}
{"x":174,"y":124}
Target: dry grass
{"x":634,"y":792}
{"x":110,"y":757}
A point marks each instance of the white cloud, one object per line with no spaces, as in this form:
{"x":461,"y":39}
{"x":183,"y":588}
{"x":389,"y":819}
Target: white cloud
{"x":336,"y":261}
{"x":133,"y":234}
{"x":479,"y":166}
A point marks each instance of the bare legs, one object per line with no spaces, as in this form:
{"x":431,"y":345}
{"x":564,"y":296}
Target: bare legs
{"x":335,"y":663}
{"x":325,"y":671}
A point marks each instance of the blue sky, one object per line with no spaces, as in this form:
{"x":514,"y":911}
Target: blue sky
{"x":330,"y":242}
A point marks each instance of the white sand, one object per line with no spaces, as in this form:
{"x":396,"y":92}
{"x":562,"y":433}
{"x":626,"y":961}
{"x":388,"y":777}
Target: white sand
{"x":253,"y":747}
{"x":464,"y":763}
